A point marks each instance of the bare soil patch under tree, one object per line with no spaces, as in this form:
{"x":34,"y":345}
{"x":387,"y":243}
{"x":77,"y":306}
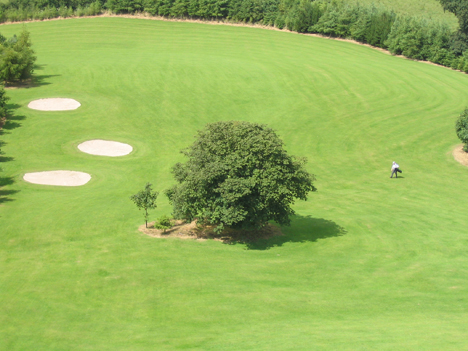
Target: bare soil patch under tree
{"x":460,"y":155}
{"x":184,"y":230}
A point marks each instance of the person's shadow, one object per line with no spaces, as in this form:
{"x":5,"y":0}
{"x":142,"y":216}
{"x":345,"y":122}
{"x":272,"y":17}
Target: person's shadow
{"x":302,"y":229}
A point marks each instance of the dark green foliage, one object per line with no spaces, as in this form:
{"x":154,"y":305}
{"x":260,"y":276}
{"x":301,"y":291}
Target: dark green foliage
{"x":3,"y":105}
{"x":373,"y":26}
{"x":3,"y":109}
{"x":304,"y":15}
{"x":164,"y":222}
{"x":146,"y":200}
{"x":253,"y":11}
{"x":459,"y":8}
{"x":461,"y":127}
{"x":16,"y":58}
{"x":367,"y":24}
{"x":420,"y":39}
{"x":337,"y":20}
{"x":124,"y":6}
{"x":238,"y":175}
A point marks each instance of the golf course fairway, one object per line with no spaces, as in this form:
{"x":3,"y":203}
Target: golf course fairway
{"x":368,"y":263}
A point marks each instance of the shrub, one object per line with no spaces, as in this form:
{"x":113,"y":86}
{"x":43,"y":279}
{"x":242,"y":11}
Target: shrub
{"x":164,"y":222}
{"x":3,"y":106}
{"x":461,"y":127}
{"x":17,"y":58}
{"x":145,"y":200}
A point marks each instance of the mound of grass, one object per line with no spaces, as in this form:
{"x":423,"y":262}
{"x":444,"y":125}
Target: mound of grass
{"x":369,"y":262}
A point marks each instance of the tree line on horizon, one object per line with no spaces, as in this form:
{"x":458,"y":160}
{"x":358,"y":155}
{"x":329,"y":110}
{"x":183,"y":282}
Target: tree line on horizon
{"x":414,"y":37}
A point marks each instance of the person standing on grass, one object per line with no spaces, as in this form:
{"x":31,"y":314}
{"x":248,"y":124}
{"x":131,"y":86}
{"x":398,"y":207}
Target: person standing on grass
{"x":395,"y":169}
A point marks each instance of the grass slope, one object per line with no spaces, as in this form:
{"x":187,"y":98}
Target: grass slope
{"x":421,"y":8}
{"x":369,"y":263}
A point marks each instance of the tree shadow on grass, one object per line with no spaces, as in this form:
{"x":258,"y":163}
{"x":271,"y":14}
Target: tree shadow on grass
{"x":6,"y":159}
{"x":5,"y":193}
{"x":36,"y":80}
{"x":9,"y":123}
{"x":12,"y":120}
{"x":303,"y":229}
{"x":42,"y":79}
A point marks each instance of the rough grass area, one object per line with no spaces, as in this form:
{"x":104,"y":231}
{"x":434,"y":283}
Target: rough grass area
{"x":431,"y":9}
{"x":369,"y":263}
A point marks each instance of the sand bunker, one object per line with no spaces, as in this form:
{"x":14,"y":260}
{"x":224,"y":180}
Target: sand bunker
{"x":61,"y":178}
{"x":105,"y":148}
{"x":54,"y":104}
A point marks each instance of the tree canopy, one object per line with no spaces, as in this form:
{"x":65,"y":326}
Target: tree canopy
{"x":459,"y":8}
{"x":16,"y":57}
{"x":239,"y":175}
{"x":145,"y":200}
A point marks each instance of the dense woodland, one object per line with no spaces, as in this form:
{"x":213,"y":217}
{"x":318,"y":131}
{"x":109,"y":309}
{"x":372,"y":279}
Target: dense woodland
{"x":414,"y":37}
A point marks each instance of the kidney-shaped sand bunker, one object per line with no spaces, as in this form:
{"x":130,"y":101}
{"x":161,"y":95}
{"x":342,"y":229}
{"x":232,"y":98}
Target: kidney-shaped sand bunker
{"x":60,"y":178}
{"x":54,"y":104}
{"x":105,"y":148}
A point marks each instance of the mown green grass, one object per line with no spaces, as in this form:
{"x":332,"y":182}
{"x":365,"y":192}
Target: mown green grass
{"x":370,"y":263}
{"x":431,"y":9}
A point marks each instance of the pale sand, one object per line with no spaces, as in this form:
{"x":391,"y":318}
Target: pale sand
{"x":54,"y":104}
{"x":460,"y":155}
{"x":61,"y":178}
{"x":105,"y":148}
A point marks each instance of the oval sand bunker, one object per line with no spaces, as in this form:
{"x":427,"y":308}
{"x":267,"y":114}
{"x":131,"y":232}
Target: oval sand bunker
{"x":61,"y":178}
{"x":105,"y":148}
{"x":54,"y":104}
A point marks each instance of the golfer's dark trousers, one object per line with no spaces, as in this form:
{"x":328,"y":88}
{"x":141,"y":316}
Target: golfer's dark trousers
{"x":395,"y":171}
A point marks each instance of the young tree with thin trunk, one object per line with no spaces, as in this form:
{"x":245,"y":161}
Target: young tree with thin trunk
{"x":145,"y":200}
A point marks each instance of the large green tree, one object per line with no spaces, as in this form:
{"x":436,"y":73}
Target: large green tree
{"x":238,"y":175}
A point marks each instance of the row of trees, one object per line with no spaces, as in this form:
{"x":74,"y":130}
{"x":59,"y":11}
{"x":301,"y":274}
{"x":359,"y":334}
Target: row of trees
{"x":413,"y":37}
{"x":237,"y":175}
{"x":16,"y":64}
